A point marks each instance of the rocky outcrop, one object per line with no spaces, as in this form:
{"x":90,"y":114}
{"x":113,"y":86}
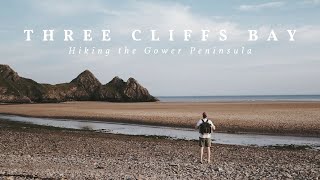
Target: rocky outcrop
{"x":87,"y":81}
{"x":8,"y":74}
{"x":118,"y":90}
{"x":15,"y":89}
{"x":135,"y":92}
{"x":85,"y":87}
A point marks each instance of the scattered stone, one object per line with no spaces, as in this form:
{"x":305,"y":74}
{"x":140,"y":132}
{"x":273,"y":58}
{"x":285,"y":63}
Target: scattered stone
{"x":218,"y":169}
{"x":55,"y":154}
{"x":172,"y":164}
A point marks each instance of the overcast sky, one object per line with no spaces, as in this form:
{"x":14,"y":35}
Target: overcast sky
{"x":281,"y":67}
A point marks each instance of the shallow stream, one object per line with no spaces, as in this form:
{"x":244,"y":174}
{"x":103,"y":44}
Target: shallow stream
{"x":174,"y":133}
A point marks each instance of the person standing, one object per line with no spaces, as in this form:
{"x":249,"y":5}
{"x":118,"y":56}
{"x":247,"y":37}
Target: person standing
{"x":205,"y":127}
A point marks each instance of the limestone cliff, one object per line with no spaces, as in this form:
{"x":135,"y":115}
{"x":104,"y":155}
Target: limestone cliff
{"x":85,"y":87}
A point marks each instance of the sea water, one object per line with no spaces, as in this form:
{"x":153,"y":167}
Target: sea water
{"x":239,"y":98}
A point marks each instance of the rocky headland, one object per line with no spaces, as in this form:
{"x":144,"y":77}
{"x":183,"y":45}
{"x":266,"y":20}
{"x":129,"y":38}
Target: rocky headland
{"x":85,"y":87}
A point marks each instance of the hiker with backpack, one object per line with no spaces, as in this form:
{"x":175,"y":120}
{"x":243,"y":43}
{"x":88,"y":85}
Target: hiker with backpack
{"x":205,"y":127}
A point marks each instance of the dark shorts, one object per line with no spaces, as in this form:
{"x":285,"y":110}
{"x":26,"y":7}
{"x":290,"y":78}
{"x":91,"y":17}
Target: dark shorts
{"x":204,"y":142}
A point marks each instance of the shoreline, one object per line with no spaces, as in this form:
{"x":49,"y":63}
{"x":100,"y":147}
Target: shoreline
{"x":271,"y":118}
{"x":48,"y":152}
{"x":30,"y":125}
{"x":132,"y":122}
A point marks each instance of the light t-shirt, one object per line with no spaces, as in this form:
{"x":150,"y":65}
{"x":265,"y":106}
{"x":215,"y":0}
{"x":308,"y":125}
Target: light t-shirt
{"x":205,"y":135}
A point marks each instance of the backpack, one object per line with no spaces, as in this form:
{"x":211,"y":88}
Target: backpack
{"x":205,"y":127}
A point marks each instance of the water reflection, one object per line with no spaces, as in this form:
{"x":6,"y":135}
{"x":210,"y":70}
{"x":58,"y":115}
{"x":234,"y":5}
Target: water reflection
{"x":175,"y":133}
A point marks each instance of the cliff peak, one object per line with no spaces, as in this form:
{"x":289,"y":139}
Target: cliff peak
{"x":7,"y":73}
{"x":137,"y":92}
{"x":87,"y":81}
{"x":132,"y":80}
{"x":116,"y":79}
{"x":86,"y":74}
{"x":117,"y":82}
{"x":85,"y":78}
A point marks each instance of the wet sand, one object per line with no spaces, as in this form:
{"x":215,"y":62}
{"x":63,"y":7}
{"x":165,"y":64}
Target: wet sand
{"x":297,"y":118}
{"x":34,"y":152}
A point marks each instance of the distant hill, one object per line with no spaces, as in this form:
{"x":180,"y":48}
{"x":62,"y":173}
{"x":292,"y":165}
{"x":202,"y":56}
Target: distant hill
{"x":85,"y":87}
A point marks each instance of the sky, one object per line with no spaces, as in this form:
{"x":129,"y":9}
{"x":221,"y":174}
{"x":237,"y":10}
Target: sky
{"x":274,"y":68}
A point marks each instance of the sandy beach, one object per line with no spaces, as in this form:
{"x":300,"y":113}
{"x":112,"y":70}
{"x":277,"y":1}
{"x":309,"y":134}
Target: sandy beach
{"x":297,"y":118}
{"x":35,"y":152}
